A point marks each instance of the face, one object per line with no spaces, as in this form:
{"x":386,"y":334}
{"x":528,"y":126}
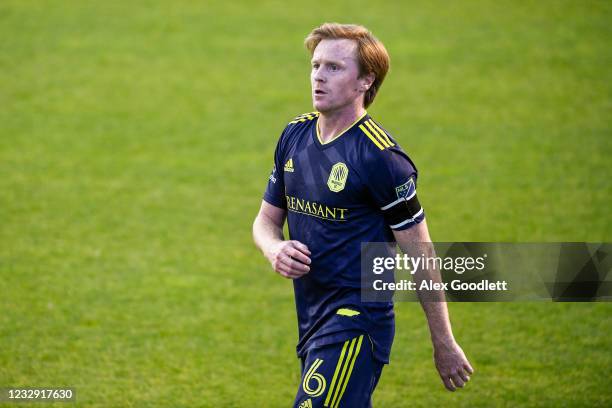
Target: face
{"x":335,"y":76}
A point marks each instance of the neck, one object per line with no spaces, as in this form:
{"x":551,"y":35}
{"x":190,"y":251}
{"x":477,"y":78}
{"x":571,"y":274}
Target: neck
{"x":332,"y":124}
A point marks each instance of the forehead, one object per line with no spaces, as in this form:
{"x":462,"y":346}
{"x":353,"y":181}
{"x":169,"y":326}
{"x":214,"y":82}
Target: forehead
{"x":341,"y":49}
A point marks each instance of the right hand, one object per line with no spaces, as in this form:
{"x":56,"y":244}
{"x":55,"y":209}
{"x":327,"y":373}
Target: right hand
{"x":453,"y":367}
{"x":290,"y":259}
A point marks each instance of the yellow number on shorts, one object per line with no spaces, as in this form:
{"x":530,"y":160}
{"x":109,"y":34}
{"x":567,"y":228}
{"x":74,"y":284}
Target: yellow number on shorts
{"x":312,"y":375}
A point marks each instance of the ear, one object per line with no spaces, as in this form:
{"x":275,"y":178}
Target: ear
{"x":367,"y":81}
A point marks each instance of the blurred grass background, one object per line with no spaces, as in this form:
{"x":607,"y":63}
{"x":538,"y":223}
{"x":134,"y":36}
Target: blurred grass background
{"x":135,"y":143}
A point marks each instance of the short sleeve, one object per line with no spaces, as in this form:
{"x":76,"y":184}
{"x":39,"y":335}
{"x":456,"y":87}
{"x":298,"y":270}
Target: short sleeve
{"x":275,"y":191}
{"x":392,"y":183}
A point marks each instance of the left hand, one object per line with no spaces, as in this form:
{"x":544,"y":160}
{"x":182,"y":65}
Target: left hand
{"x":453,"y":367}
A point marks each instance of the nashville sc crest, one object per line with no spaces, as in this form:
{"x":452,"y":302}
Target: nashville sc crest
{"x":337,"y":177}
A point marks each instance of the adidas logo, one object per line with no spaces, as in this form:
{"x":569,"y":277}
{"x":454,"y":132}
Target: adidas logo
{"x":289,"y":166}
{"x":306,"y":404}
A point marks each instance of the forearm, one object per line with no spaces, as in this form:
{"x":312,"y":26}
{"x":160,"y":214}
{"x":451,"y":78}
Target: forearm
{"x":266,"y":233}
{"x":433,"y":301}
{"x":416,"y":242}
{"x":438,"y":321}
{"x":289,"y":258}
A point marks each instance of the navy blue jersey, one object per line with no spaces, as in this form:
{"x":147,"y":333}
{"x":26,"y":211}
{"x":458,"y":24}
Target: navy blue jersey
{"x":355,"y":188}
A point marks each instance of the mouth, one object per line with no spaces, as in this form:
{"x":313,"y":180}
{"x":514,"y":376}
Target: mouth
{"x":319,"y":92}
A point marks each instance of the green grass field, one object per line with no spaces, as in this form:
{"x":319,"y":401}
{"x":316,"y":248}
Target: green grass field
{"x":136,"y":141}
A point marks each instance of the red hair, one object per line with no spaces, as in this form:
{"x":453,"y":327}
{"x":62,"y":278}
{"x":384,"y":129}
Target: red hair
{"x":372,"y":56}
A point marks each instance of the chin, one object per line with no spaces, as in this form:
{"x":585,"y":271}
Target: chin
{"x":324,"y":106}
{"x":318,"y":106}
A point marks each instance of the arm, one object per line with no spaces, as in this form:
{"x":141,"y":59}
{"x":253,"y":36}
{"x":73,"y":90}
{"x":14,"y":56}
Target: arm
{"x":452,"y":365}
{"x":288,"y":258}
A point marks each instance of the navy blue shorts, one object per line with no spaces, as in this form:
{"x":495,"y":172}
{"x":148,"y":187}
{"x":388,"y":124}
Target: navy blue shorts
{"x":339,"y":375}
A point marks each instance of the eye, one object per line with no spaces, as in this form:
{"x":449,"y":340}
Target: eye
{"x":333,"y":67}
{"x":315,"y":65}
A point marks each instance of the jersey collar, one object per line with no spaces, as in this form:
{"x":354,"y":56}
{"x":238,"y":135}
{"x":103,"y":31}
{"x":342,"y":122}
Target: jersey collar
{"x":325,"y":144}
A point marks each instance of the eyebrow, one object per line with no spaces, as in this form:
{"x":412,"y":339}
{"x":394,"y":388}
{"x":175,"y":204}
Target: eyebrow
{"x":338,"y":62}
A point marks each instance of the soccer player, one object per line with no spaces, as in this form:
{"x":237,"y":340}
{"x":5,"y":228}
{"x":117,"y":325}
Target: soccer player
{"x":340,"y":179}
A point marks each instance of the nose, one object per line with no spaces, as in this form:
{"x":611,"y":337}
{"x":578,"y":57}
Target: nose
{"x":317,"y":75}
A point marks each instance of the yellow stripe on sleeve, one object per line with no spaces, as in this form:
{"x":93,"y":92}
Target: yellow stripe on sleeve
{"x":368,"y":134}
{"x":382,"y":132}
{"x":379,"y":137}
{"x":304,"y":117}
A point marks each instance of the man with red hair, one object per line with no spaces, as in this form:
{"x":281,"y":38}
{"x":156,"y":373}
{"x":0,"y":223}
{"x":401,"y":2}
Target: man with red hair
{"x":340,"y":179}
